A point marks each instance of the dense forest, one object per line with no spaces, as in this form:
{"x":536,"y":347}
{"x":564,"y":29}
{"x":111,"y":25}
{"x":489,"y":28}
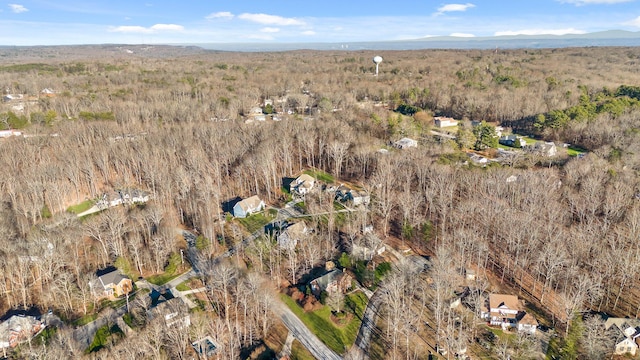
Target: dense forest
{"x":560,"y":232}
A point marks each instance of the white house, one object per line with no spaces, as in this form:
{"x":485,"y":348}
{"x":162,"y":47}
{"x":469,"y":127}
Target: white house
{"x":288,"y":239}
{"x":626,"y":331}
{"x":543,"y":148}
{"x":505,"y":311}
{"x":441,"y":121}
{"x":303,"y":184}
{"x":405,"y":143}
{"x":248,"y":206}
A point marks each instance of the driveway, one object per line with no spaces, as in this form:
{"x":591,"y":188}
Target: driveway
{"x":316,"y":347}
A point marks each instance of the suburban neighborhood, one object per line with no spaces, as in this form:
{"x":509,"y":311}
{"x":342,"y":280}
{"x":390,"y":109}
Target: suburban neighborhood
{"x":172,"y":202}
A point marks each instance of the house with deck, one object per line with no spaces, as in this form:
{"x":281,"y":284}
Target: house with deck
{"x":303,"y":184}
{"x":248,"y":206}
{"x":17,"y":329}
{"x":506,"y":312}
{"x":626,"y":333}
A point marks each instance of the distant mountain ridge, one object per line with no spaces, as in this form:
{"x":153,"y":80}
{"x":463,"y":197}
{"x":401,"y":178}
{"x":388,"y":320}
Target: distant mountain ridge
{"x":602,"y":38}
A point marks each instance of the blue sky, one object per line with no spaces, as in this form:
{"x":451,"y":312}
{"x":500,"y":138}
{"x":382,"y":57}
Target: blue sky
{"x":49,"y":22}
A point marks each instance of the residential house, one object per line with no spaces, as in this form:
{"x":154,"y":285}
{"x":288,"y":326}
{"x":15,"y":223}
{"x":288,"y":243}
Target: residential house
{"x":17,"y":329}
{"x":133,"y":196}
{"x":112,"y":198}
{"x":512,"y":140}
{"x":626,"y":332}
{"x":355,"y":197}
{"x":527,"y":323}
{"x":367,"y":247}
{"x":543,"y":148}
{"x":335,"y":281}
{"x":441,"y":121}
{"x":205,"y":347}
{"x":248,"y":206}
{"x":478,"y":159}
{"x":173,"y":311}
{"x":47,"y":92}
{"x":505,"y":311}
{"x":303,"y":184}
{"x":405,"y":143}
{"x":111,"y":283}
{"x":288,"y":239}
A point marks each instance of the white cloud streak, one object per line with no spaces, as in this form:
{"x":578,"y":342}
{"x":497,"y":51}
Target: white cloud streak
{"x":266,"y":19}
{"x":454,"y":7}
{"x":220,"y":15}
{"x":16,"y":8}
{"x":148,"y":30}
{"x":269,"y":30}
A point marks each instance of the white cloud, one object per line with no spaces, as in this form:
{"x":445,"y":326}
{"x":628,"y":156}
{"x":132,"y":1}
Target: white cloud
{"x":635,"y":22}
{"x":167,"y":27}
{"x":269,"y":30}
{"x":454,"y":7}
{"x":308,"y":32}
{"x":147,"y":30}
{"x":220,"y":15}
{"x":589,"y":2}
{"x":16,"y":8}
{"x":270,"y":19}
{"x":539,"y":32}
{"x":462,"y":35}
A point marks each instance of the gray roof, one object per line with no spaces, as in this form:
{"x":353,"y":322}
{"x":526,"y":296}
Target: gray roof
{"x":113,"y":277}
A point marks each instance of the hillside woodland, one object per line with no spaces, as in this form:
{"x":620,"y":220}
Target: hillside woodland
{"x":562,"y":232}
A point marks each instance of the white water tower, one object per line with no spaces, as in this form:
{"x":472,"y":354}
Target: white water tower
{"x":377,"y":60}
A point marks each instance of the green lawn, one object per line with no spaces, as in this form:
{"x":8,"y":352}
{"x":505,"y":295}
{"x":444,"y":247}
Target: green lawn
{"x":85,"y":319}
{"x":299,"y":352}
{"x":183,"y":286}
{"x":575,"y":151}
{"x":257,"y":221}
{"x":338,"y":338}
{"x":83,"y":206}
{"x":103,"y":337}
{"x":321,"y":175}
{"x":170,"y":271}
{"x":161,"y":279}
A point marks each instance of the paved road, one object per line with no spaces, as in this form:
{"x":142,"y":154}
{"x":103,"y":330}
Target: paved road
{"x":316,"y":347}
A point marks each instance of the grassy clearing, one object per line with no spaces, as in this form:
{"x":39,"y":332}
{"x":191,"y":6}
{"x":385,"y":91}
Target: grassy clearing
{"x":170,"y":271}
{"x":321,"y":175}
{"x":575,"y":151}
{"x":183,"y":286}
{"x":299,"y":352}
{"x":256,"y":222}
{"x":337,"y":338}
{"x":85,"y":319}
{"x":103,"y":337}
{"x":79,"y":208}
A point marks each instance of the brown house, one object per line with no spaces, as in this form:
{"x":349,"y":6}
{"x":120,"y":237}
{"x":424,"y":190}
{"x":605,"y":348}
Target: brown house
{"x":335,"y":281}
{"x":112,"y":284}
